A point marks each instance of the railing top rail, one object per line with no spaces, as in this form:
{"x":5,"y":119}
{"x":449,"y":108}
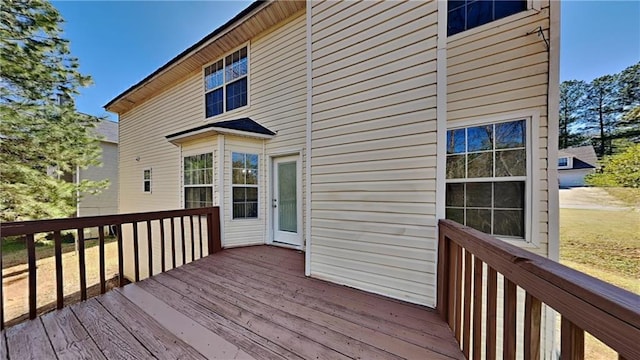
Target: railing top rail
{"x":40,"y":226}
{"x":600,"y":308}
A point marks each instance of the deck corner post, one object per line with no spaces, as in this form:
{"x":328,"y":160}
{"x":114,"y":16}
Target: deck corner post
{"x":213,"y":231}
{"x":443,"y":275}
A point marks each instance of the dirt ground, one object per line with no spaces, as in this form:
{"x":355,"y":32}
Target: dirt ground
{"x":589,"y":199}
{"x":16,"y":280}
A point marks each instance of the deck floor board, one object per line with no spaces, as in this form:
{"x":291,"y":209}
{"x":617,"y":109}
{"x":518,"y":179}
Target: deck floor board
{"x":241,"y":303}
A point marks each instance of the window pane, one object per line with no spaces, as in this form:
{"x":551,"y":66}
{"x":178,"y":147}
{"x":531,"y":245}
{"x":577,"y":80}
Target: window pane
{"x":456,"y":21}
{"x":213,"y":102}
{"x":480,"y":165}
{"x":480,"y":138}
{"x":455,"y":141}
{"x":252,"y":161}
{"x":510,"y":134}
{"x":478,"y":195}
{"x":455,"y":166}
{"x":252,"y":210}
{"x":479,"y":219}
{"x":147,"y":186}
{"x":238,"y":211}
{"x":563,"y":162}
{"x":455,"y":195}
{"x":511,"y":163}
{"x":508,"y":222}
{"x":237,"y":94}
{"x":479,"y":13}
{"x":147,"y":174}
{"x":456,"y":215}
{"x":251,"y":194}
{"x":239,"y":194}
{"x":195,"y":197}
{"x":238,"y":176}
{"x":509,"y":7}
{"x":509,"y":194}
{"x":237,"y":159}
{"x":251,"y":176}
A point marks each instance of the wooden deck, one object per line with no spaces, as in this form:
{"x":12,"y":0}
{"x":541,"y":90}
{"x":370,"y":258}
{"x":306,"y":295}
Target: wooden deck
{"x":243,"y":303}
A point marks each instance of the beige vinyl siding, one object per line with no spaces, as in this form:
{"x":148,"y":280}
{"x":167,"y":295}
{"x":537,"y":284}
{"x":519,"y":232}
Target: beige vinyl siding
{"x":498,"y":69}
{"x":106,"y":201}
{"x":277,"y":100}
{"x":374,"y":147}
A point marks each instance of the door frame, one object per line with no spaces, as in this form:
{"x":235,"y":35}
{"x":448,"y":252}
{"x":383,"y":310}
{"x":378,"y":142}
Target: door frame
{"x":271,"y":191}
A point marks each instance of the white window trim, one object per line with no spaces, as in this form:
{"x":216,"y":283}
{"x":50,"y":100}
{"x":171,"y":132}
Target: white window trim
{"x":204,"y":91}
{"x":232,"y":185}
{"x":533,"y":7}
{"x":532,"y":182}
{"x":569,"y":162}
{"x":185,"y":154}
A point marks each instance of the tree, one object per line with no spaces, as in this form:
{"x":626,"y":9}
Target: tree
{"x":629,"y":84}
{"x":622,"y":169}
{"x":602,"y":109}
{"x":39,"y":133}
{"x":572,"y":95}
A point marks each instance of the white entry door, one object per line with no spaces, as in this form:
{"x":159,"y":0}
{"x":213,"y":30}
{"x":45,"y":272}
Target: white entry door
{"x":286,"y":202}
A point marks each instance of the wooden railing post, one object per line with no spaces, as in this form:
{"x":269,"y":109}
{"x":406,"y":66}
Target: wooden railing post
{"x":213,"y":231}
{"x":120,"y":256}
{"x":82,"y":265}
{"x":31,"y":261}
{"x":443,"y":276}
{"x":57,"y":243}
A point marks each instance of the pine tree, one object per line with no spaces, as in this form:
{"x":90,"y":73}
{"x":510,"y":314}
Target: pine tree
{"x":602,"y":109}
{"x":39,"y":133}
{"x":629,"y":84}
{"x":572,"y":94}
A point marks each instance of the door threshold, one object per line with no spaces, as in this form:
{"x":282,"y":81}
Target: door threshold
{"x":288,"y":246}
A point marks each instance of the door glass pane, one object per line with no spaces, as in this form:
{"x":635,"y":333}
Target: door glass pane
{"x":287,"y":199}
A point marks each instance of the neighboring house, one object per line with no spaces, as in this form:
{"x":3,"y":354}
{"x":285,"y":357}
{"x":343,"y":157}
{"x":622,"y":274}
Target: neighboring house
{"x":106,"y":201}
{"x":347,"y":129}
{"x":574,"y":164}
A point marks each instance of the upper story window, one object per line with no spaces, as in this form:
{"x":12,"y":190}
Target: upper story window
{"x":225,"y":83}
{"x":486,"y":177}
{"x":467,"y":14}
{"x":563,"y":163}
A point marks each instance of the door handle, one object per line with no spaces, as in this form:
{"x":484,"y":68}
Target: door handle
{"x":275,"y":203}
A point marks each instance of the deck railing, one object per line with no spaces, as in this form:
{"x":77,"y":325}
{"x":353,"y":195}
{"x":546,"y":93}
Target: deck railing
{"x":584,"y":303}
{"x":171,"y":225}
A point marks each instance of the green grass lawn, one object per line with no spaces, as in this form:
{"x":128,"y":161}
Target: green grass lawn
{"x":14,"y":251}
{"x":603,"y":244}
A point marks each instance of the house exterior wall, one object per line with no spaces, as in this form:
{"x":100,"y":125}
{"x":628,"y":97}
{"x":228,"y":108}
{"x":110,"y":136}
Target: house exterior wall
{"x":373,"y":146}
{"x":277,"y":100}
{"x":105,"y":202}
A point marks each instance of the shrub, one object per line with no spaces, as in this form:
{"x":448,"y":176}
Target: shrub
{"x":622,"y":169}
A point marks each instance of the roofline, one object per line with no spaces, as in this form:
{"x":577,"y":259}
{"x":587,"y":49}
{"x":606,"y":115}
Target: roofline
{"x":183,"y":54}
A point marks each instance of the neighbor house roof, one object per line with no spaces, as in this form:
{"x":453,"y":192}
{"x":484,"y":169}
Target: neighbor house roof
{"x":107,"y":130}
{"x":584,"y":157}
{"x":256,"y":18}
{"x":243,"y":127}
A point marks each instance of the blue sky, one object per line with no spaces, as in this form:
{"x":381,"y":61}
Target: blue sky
{"x":119,"y":43}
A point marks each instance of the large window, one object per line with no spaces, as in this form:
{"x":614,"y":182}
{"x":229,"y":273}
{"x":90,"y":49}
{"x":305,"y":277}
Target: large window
{"x":225,"y":83}
{"x":486,"y":177}
{"x":244,"y":173}
{"x":198,"y":181}
{"x":467,"y":14}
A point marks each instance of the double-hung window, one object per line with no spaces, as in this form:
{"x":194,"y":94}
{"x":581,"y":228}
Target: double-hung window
{"x":225,"y":83}
{"x":146,"y":180}
{"x":466,"y":14}
{"x":198,"y":180}
{"x":486,"y":177}
{"x":244,"y":173}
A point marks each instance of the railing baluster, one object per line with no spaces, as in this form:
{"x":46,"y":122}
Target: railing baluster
{"x":466,"y":339}
{"x":82,"y":265}
{"x":136,"y":255}
{"x":200,"y":233}
{"x":103,"y":285}
{"x":509,"y":326}
{"x":492,"y":306}
{"x":183,"y":245}
{"x":532,"y":316}
{"x":477,"y":307}
{"x":452,"y":286}
{"x":31,"y":259}
{"x":458,"y":296}
{"x":150,"y":247}
{"x":57,"y":244}
{"x":572,"y":341}
{"x":193,"y":238}
{"x":162,"y":250}
{"x":213,"y":231}
{"x":120,"y":256}
{"x":173,"y":243}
